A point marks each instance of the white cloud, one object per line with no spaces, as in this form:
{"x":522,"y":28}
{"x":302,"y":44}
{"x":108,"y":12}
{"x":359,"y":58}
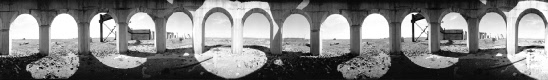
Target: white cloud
{"x":453,"y":17}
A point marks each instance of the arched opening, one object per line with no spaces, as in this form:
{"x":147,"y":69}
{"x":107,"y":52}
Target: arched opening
{"x":417,"y":51}
{"x":375,"y":33}
{"x":414,"y":32}
{"x":24,"y":36}
{"x":492,"y":31}
{"x":218,"y":30}
{"x":531,"y":33}
{"x":335,"y":32}
{"x":106,"y":51}
{"x":256,"y":30}
{"x":109,"y":29}
{"x":453,"y":33}
{"x":296,"y":34}
{"x":64,"y":35}
{"x":179,"y":31}
{"x":141,"y":33}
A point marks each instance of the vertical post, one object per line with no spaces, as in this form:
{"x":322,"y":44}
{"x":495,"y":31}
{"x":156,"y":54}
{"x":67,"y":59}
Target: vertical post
{"x":511,"y":33}
{"x":5,"y":40}
{"x":44,"y":39}
{"x":101,"y":31}
{"x":413,"y":31}
{"x":395,"y":37}
{"x":83,"y":37}
{"x":122,"y":37}
{"x":355,"y":39}
{"x":161,"y":34}
{"x":315,"y":40}
{"x":276,"y":45}
{"x":237,"y":36}
{"x":276,"y":35}
{"x":434,"y":40}
{"x":473,"y":32}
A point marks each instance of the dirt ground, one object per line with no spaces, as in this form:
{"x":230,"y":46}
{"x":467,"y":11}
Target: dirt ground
{"x":256,"y":62}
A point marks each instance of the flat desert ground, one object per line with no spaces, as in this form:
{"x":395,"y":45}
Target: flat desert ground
{"x":256,"y":61}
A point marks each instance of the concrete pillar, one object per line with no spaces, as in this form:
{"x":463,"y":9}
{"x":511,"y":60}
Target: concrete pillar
{"x":356,"y":19}
{"x":316,"y":19}
{"x":433,"y":37}
{"x":395,"y":37}
{"x":315,"y":40}
{"x":5,"y":23}
{"x":44,"y":39}
{"x":237,"y":35}
{"x":276,"y":39}
{"x":355,"y":39}
{"x":473,"y":32}
{"x":160,"y":34}
{"x":511,"y":33}
{"x":83,"y":37}
{"x":122,"y":18}
{"x":5,"y":40}
{"x":122,"y":37}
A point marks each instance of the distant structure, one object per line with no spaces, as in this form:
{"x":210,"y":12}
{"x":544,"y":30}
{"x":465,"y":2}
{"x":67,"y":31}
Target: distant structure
{"x":276,"y":12}
{"x":171,"y":35}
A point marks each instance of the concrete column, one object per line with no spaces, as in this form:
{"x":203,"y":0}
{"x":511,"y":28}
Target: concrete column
{"x":355,"y":39}
{"x":160,"y":34}
{"x":511,"y":33}
{"x":473,"y":32}
{"x":315,"y":39}
{"x":122,"y":37}
{"x":83,"y":37}
{"x":44,"y":39}
{"x":276,"y":39}
{"x":395,"y":37}
{"x":5,"y":40}
{"x":433,"y":37}
{"x":237,"y":36}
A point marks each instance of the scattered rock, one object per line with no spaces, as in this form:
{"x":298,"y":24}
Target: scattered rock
{"x":365,"y":67}
{"x":54,"y":67}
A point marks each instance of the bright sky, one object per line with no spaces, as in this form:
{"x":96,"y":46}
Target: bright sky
{"x":531,"y":26}
{"x":257,"y":26}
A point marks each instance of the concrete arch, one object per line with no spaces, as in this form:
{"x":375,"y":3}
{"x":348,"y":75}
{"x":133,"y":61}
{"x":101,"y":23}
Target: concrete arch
{"x":534,"y":11}
{"x":187,"y":12}
{"x":260,"y":11}
{"x":221,"y":10}
{"x":345,"y":16}
{"x":383,"y":15}
{"x":8,"y":27}
{"x":451,"y":10}
{"x":300,"y":12}
{"x":93,"y":13}
{"x":493,"y":10}
{"x":530,"y":10}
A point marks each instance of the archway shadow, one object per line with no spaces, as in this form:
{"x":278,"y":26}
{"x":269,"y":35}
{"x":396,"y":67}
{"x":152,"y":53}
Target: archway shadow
{"x":297,"y":65}
{"x":15,"y":67}
{"x":484,"y":65}
{"x":176,"y":63}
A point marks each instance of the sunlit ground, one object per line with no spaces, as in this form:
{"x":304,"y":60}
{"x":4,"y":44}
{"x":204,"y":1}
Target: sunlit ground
{"x":179,"y":62}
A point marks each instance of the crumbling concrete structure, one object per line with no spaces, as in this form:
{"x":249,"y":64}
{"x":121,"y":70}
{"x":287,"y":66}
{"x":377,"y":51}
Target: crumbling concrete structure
{"x":276,"y":11}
